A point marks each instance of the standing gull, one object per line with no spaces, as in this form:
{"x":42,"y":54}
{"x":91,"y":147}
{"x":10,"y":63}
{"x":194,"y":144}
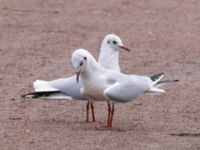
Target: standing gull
{"x":100,"y":84}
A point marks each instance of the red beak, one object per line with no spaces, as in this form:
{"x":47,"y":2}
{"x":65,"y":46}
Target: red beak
{"x":125,"y":48}
{"x":77,"y":75}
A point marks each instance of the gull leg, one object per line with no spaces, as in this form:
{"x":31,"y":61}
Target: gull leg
{"x":87,"y":112}
{"x":93,"y":115}
{"x":109,"y":113}
{"x":111,"y":116}
{"x":107,"y":126}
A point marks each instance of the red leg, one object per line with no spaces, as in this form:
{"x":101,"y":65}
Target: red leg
{"x":111,"y":116}
{"x":93,"y":115}
{"x":87,"y":112}
{"x":109,"y":113}
{"x":107,"y":126}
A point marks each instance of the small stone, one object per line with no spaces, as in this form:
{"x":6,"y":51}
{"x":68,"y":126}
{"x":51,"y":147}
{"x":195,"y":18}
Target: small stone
{"x":12,"y":99}
{"x":28,"y":131}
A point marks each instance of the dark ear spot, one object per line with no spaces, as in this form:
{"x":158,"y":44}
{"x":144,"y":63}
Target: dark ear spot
{"x":114,"y":42}
{"x":108,"y":41}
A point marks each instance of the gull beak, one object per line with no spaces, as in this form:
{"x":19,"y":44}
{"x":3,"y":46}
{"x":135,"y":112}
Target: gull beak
{"x":77,"y":75}
{"x":125,"y":48}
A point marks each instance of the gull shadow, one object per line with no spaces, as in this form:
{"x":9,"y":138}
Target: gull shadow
{"x":186,"y":134}
{"x":82,"y":125}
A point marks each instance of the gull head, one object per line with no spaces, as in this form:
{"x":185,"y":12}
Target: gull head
{"x":79,"y":59}
{"x":114,"y":42}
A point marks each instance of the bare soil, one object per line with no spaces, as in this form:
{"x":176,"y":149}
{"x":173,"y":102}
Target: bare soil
{"x":37,"y":38}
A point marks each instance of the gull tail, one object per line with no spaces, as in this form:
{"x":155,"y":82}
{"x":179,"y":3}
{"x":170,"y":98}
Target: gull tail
{"x":46,"y":95}
{"x":157,"y":83}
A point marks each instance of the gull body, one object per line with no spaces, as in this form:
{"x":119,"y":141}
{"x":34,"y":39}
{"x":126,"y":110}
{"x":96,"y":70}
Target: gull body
{"x":100,"y":84}
{"x":97,"y":82}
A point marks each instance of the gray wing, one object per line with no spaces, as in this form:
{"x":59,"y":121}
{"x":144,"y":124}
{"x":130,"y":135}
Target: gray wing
{"x":63,"y":88}
{"x":68,"y":86}
{"x":128,"y":88}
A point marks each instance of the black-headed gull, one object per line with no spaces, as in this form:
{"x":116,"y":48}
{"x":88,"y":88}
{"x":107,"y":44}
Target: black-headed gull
{"x":68,"y":88}
{"x":100,"y":84}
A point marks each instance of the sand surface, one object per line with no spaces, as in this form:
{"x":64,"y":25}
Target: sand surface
{"x":37,"y":38}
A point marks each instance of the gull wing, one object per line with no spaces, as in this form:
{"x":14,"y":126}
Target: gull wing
{"x":63,"y":88}
{"x":127,"y":89}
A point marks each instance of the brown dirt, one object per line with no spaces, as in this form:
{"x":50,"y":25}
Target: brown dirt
{"x":37,"y":38}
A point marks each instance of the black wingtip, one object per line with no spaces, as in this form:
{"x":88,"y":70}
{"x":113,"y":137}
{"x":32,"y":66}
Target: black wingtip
{"x":25,"y":95}
{"x":169,"y":81}
{"x":29,"y":95}
{"x":156,"y":76}
{"x":39,"y":94}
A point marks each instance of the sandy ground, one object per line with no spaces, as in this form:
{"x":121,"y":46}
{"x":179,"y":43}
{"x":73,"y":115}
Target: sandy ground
{"x":37,"y":38}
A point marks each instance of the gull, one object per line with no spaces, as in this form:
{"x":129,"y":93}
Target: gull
{"x":68,"y":88}
{"x":100,"y":84}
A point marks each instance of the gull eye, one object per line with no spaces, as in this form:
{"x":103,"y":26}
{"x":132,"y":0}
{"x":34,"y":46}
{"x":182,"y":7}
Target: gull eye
{"x":114,"y":42}
{"x":85,"y":58}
